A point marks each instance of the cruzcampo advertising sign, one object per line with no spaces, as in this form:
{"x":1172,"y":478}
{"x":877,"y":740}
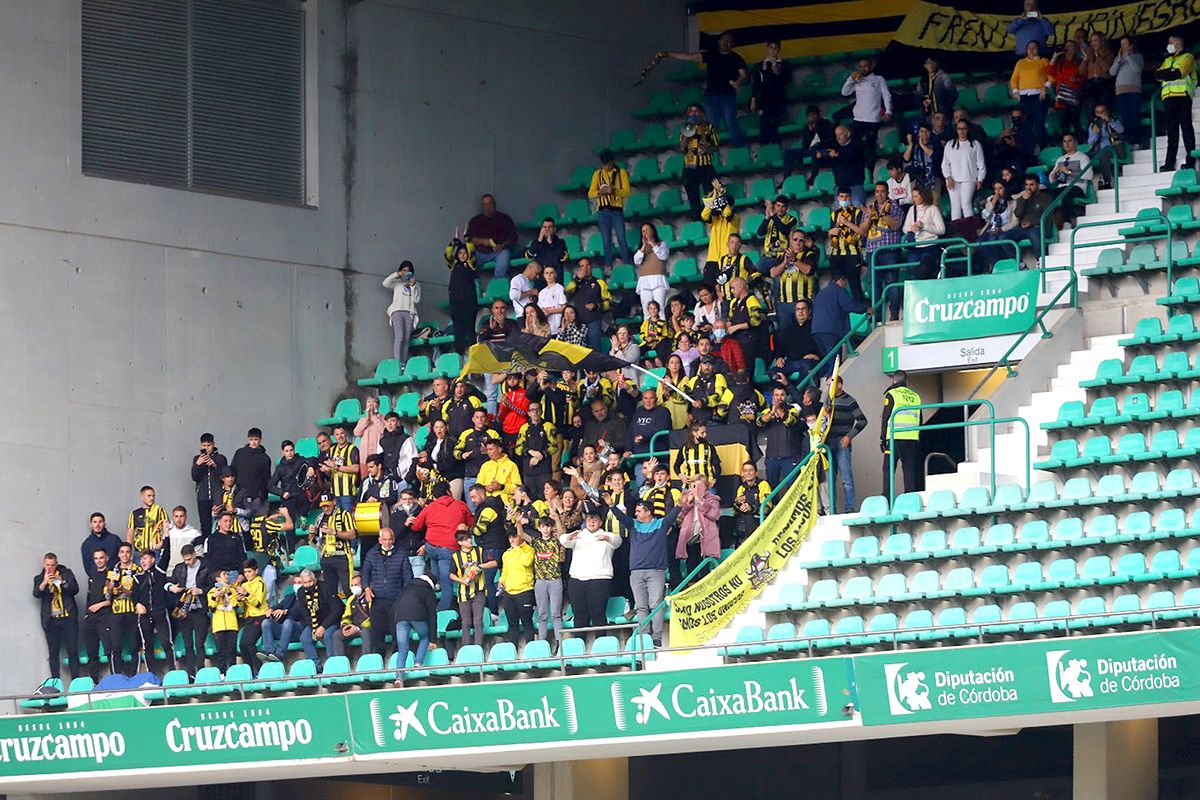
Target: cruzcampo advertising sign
{"x":969,"y":308}
{"x":1044,"y":676}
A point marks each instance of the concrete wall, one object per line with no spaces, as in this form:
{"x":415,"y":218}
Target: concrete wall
{"x":134,"y":317}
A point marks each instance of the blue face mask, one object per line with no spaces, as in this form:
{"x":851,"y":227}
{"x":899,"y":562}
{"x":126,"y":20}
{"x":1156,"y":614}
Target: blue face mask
{"x":843,"y":203}
{"x":693,"y":119}
{"x":717,"y":335}
{"x":406,"y":276}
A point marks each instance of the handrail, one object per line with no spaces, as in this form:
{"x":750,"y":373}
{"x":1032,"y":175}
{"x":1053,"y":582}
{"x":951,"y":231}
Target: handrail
{"x":991,"y":421}
{"x":1162,"y":219}
{"x":902,"y":247}
{"x":652,"y":453}
{"x":1155,"y":99}
{"x":786,"y":481}
{"x":637,"y":631}
{"x":1072,"y":285}
{"x":967,"y":246}
{"x":1058,"y":201}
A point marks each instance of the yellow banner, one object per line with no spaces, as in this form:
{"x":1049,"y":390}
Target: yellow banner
{"x":943,"y":27}
{"x":701,"y":610}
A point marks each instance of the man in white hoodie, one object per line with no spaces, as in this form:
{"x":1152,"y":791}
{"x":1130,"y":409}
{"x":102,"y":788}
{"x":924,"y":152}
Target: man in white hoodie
{"x":591,"y":570}
{"x":179,"y":534}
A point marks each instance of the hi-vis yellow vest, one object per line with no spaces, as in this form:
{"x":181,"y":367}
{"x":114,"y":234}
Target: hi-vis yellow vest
{"x":1184,"y":86}
{"x":903,"y":417}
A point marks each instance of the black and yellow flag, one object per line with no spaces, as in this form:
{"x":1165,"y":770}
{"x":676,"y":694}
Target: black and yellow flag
{"x":520,"y":352}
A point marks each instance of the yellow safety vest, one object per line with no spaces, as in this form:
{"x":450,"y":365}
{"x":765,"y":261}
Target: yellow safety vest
{"x":1184,"y":86}
{"x":903,"y":417}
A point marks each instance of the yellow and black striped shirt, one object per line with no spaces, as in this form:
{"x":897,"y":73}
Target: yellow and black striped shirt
{"x":775,"y":231}
{"x":618,"y":179}
{"x":653,"y":332}
{"x":792,"y":284}
{"x":119,"y":590}
{"x":147,"y":525}
{"x":706,"y":132}
{"x":338,"y":521}
{"x":730,"y":267}
{"x":698,"y":459}
{"x":467,"y":565}
{"x":661,"y":499}
{"x":263,"y":534}
{"x":748,"y":311}
{"x":227,"y":505}
{"x":847,"y":242}
{"x":344,"y":484}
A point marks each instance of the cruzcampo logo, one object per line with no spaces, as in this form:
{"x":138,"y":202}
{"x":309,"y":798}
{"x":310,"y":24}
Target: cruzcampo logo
{"x":969,"y":308}
{"x":907,"y":691}
{"x":1069,"y":677}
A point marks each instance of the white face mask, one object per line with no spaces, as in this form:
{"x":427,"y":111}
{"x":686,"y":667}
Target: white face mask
{"x":1170,"y":48}
{"x":356,"y":590}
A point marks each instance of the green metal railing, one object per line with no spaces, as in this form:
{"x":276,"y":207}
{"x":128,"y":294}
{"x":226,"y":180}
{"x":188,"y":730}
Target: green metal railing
{"x":786,"y":481}
{"x":906,"y":249}
{"x":991,"y":421}
{"x":1120,"y":241}
{"x":969,"y":247}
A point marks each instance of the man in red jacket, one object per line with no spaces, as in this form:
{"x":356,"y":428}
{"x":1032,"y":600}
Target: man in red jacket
{"x":441,"y":520}
{"x":514,"y":408}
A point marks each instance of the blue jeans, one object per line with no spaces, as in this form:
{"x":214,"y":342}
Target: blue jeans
{"x":800,"y":365}
{"x":500,"y":257}
{"x":287,"y":631}
{"x":1034,"y":129}
{"x":403,"y":628}
{"x":1031,"y":235}
{"x":334,"y":644}
{"x":611,"y":222}
{"x":1129,"y":109}
{"x":491,"y":394}
{"x":723,"y":107}
{"x":468,"y":482}
{"x":785,"y":317}
{"x":778,"y":469}
{"x":842,"y":471}
{"x":418,"y":565}
{"x":345,"y":502}
{"x":593,"y":334}
{"x":440,"y":564}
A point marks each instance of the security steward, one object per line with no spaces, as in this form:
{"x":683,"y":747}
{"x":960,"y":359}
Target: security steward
{"x":899,"y":415}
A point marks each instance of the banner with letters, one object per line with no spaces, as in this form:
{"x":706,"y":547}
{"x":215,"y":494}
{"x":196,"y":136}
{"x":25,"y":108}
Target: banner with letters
{"x":1079,"y":673}
{"x":974,"y":307}
{"x":701,"y":610}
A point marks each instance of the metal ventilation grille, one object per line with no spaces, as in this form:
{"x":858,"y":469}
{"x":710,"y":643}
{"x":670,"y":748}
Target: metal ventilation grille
{"x":197,"y":94}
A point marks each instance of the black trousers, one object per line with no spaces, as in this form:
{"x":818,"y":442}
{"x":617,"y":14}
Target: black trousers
{"x":335,"y":572}
{"x":693,"y":560}
{"x":851,"y":267}
{"x":674,"y":572}
{"x":519,"y":610}
{"x":589,"y":602}
{"x":1178,"y":112}
{"x":248,"y":642}
{"x":195,"y":634}
{"x":772,"y":117}
{"x":62,"y":632}
{"x":383,"y":622}
{"x":159,"y":622}
{"x":462,"y":314}
{"x":226,"y":642}
{"x":696,"y":182}
{"x":97,"y":628}
{"x":204,"y":514}
{"x":908,"y":457}
{"x":125,"y":640}
{"x":867,"y":135}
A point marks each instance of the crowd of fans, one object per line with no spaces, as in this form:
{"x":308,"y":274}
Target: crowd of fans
{"x":537,"y":492}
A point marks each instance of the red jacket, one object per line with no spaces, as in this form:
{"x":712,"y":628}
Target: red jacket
{"x":514,"y":411}
{"x":440,"y":520}
{"x":731,"y":353}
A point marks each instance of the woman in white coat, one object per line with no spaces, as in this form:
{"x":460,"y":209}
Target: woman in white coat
{"x":922,"y":225}
{"x":402,"y":313}
{"x":964,"y":168}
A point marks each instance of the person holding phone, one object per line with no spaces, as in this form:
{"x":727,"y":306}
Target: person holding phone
{"x":1031,"y":26}
{"x":402,"y":313}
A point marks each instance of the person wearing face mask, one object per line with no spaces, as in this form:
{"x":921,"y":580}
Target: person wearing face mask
{"x":356,"y":619}
{"x":847,"y":227}
{"x":697,"y":457}
{"x":1177,"y":74}
{"x":385,"y":571}
{"x":406,"y":296}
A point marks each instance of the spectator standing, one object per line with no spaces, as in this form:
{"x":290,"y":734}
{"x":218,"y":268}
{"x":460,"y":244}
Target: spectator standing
{"x":848,"y":422}
{"x":154,"y":604}
{"x":698,"y":535}
{"x":725,"y":72}
{"x":625,"y":348}
{"x":385,"y":572}
{"x":147,"y":523}
{"x":817,"y":135}
{"x":190,"y":582}
{"x":733,"y":263}
{"x":591,"y":299}
{"x":1066,"y":70}
{"x":651,"y":261}
{"x":492,"y":232}
{"x":469,"y":566}
{"x":1030,"y":28}
{"x":178,"y":535}
{"x":223,"y":602}
{"x":899,"y":414}
{"x":591,"y":570}
{"x":99,"y":538}
{"x":462,"y":292}
{"x":795,"y":276}
{"x":1097,"y":66}
{"x":965,"y":168}
{"x":847,"y":227}
{"x":884,"y":220}
{"x":206,"y":475}
{"x":441,"y":519}
{"x":552,"y":299}
{"x":872,"y":106}
{"x":97,"y":619}
{"x":770,"y":82}
{"x":341,"y":468}
{"x":722,"y":220}
{"x":1029,"y":82}
{"x":609,"y":190}
{"x":846,"y":158}
{"x":745,"y":319}
{"x":538,"y":446}
{"x":521,"y":289}
{"x":55,"y":588}
{"x":548,"y":555}
{"x":415,"y":612}
{"x":251,"y":467}
{"x":923,"y":160}
{"x":936,"y":90}
{"x":698,"y":142}
{"x":516,"y":587}
{"x":334,"y":534}
{"x":402,"y":313}
{"x":899,"y":185}
{"x":926,"y":224}
{"x":535,"y":322}
{"x":548,"y":249}
{"x":775,"y":230}
{"x":369,"y":431}
{"x":781,"y":428}
{"x":832,"y":307}
{"x":498,"y":327}
{"x":292,"y":478}
{"x":1177,"y":74}
{"x":1126,"y":71}
{"x":648,"y":559}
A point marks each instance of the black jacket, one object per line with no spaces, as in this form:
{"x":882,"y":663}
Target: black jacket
{"x":798,"y":343}
{"x":203,"y":577}
{"x":329,"y":609}
{"x":69,"y":588}
{"x":107,"y":541}
{"x":647,"y":423}
{"x":287,"y":475}
{"x":208,"y":479}
{"x":418,"y":603}
{"x":390,"y":443}
{"x":252,"y":471}
{"x":95,"y":593}
{"x":549,"y":254}
{"x":824,"y":129}
{"x":225,"y":551}
{"x":151,"y":592}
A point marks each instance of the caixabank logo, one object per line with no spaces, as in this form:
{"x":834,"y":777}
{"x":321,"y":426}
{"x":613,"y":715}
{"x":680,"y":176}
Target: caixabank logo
{"x":688,"y":702}
{"x":415,"y":719}
{"x":1073,"y":678}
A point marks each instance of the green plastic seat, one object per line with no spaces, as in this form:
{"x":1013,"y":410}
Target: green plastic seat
{"x":435,"y":660}
{"x":346,"y":409}
{"x":940,"y":502}
{"x":791,"y":598}
{"x":408,"y":405}
{"x":53,"y":685}
{"x":782,"y":636}
{"x":1095,"y":569}
{"x":574,"y":650}
{"x":823,"y":593}
{"x":616,"y":609}
{"x":638,"y":205}
{"x":896,"y":546}
{"x":208,"y":682}
{"x":304,"y":557}
{"x":746,"y":636}
{"x":795,"y":187}
{"x":387,"y":372}
{"x":236,"y":680}
{"x":670,"y":201}
{"x":1068,"y":413}
{"x":1063,"y":453}
{"x":691,"y":233}
{"x":502,"y":656}
{"x":448,"y":365}
{"x":872,"y":510}
{"x":1184,"y":182}
{"x":761,"y":189}
{"x":1184,"y":291}
{"x":468,"y":659}
{"x":926,"y":584}
{"x":737,"y":159}
{"x":1026,"y":574}
{"x":537,"y":655}
{"x":993,"y":578}
{"x":623,"y":277}
{"x":965,"y":539}
{"x":369,"y":670}
{"x":997,"y":537}
{"x":750,"y":225}
{"x":685,"y":270}
{"x":914,"y":624}
{"x":418,"y":368}
{"x":930,"y":543}
{"x":581,"y":178}
{"x":578,"y":212}
{"x":818,"y":220}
